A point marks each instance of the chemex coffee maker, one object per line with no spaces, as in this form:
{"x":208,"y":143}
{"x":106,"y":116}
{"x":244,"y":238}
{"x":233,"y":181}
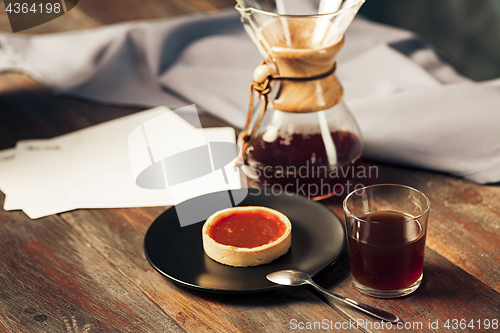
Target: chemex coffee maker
{"x":302,"y":138}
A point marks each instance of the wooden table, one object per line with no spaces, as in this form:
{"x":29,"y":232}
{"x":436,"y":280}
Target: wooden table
{"x":85,"y":270}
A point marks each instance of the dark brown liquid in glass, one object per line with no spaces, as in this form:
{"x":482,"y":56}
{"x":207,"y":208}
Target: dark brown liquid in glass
{"x":388,"y":255}
{"x":299,"y":164}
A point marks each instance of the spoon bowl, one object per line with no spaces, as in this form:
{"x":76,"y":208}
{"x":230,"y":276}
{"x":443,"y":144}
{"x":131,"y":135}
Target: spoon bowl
{"x":289,"y":278}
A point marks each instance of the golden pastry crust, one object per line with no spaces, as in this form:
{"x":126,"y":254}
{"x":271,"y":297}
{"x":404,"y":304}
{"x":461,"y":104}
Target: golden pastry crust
{"x":243,"y":256}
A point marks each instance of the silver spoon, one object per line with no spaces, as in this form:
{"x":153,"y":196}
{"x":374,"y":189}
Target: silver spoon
{"x":297,"y":278}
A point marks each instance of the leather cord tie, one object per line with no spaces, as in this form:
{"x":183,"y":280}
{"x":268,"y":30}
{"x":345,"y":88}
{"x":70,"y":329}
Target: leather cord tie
{"x":263,"y":89}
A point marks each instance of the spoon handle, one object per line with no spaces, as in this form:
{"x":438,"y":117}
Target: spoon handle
{"x":377,"y":313}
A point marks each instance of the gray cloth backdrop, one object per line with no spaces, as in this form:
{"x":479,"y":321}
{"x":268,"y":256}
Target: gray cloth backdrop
{"x":412,"y":108}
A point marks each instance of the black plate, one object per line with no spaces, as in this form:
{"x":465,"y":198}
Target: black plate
{"x":177,"y":252}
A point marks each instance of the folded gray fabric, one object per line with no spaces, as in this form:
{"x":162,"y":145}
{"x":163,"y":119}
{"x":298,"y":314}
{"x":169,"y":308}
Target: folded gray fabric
{"x":412,"y":108}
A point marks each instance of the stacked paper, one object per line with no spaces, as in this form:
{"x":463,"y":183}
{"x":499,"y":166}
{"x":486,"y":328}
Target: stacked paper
{"x":97,"y":167}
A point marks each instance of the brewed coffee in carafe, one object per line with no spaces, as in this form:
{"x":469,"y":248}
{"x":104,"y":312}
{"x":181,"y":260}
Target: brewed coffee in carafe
{"x":302,"y":138}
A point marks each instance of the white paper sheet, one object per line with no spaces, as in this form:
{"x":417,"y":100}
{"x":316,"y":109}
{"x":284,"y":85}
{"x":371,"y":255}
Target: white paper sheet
{"x":94,"y":167}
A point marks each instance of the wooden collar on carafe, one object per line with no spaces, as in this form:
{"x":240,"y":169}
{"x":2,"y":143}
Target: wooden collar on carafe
{"x":296,"y":94}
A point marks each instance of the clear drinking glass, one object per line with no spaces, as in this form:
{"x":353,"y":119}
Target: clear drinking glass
{"x":386,"y":231}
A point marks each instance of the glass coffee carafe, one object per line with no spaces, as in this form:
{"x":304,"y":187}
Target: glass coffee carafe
{"x":302,"y":138}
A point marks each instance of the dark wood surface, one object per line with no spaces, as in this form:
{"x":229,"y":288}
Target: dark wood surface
{"x":85,"y":270}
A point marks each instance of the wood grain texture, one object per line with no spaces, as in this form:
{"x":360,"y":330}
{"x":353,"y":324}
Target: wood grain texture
{"x":30,"y":111}
{"x":86,"y":271}
{"x":54,"y":281}
{"x":447,"y":292}
{"x":461,"y":269}
{"x":94,"y":13}
{"x":464,"y":221}
{"x":3,"y":329}
{"x":120,"y":239}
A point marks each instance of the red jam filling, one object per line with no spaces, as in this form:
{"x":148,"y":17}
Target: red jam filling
{"x":247,"y":229}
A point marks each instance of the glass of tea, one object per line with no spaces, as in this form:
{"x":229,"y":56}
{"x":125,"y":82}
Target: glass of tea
{"x":386,"y":230}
